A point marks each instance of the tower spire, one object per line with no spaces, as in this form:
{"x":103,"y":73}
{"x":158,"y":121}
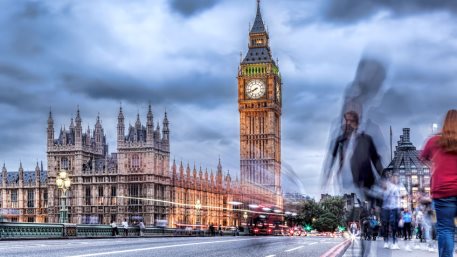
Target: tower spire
{"x":150,"y":126}
{"x":50,"y":130}
{"x":259,"y":49}
{"x":78,"y":117}
{"x":138,"y":122}
{"x":50,"y":120}
{"x":258,"y":26}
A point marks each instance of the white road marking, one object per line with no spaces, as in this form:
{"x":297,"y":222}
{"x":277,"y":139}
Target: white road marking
{"x":273,"y":255}
{"x":159,"y":247}
{"x":313,"y":243}
{"x":293,"y":249}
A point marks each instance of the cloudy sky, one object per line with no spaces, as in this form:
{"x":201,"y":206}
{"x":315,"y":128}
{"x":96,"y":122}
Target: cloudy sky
{"x":183,"y":56}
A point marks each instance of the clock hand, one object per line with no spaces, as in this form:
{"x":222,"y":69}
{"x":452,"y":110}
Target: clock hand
{"x":252,"y":90}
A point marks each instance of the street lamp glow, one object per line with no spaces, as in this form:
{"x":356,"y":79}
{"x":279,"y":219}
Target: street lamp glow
{"x":67,"y":183}
{"x":294,"y":214}
{"x":287,"y":213}
{"x":277,"y":211}
{"x":63,"y":182}
{"x":253,"y":206}
{"x":266,"y":209}
{"x":198,"y":207}
{"x":63,"y":174}
{"x":434,"y":127}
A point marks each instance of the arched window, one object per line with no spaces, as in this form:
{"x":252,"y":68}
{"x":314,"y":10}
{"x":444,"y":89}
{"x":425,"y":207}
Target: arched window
{"x":64,"y":163}
{"x":135,"y":161}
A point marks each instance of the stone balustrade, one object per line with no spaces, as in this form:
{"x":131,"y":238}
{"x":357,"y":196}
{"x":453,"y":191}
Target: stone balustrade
{"x":12,"y":230}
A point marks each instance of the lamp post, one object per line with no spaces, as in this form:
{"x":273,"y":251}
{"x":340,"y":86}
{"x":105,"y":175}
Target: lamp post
{"x":245,"y":216}
{"x":63,"y":182}
{"x":294,"y":215}
{"x":198,"y":207}
{"x":235,"y":208}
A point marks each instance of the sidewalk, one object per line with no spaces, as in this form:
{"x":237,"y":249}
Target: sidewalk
{"x":377,"y":249}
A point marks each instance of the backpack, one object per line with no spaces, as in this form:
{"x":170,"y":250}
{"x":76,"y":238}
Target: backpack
{"x":373,"y":223}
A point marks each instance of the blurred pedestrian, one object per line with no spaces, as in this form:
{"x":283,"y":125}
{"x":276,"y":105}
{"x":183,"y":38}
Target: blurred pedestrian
{"x":125,"y":225}
{"x":353,"y":150}
{"x":211,"y":229}
{"x":441,"y":150}
{"x":392,"y":194}
{"x":114,"y":230}
{"x":353,"y":228}
{"x":407,"y":220}
{"x":142,"y":228}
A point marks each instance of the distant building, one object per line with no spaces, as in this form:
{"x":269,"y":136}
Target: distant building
{"x":24,"y":194}
{"x":295,"y":197}
{"x":135,"y":183}
{"x":413,"y":174}
{"x":324,"y":196}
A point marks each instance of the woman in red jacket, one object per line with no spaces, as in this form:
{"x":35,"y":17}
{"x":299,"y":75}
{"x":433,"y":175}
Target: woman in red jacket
{"x":441,"y":149}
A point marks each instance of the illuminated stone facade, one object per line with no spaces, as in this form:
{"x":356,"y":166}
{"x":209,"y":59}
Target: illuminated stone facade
{"x":259,"y":103}
{"x":134,"y":183}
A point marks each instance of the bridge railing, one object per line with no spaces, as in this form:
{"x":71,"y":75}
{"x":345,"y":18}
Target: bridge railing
{"x":31,"y":230}
{"x":12,"y":230}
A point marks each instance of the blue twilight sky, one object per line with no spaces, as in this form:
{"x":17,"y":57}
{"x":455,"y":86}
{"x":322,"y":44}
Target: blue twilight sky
{"x":183,"y":55}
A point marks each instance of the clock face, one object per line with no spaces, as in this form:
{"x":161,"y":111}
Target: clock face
{"x":255,"y":89}
{"x":278,"y":92}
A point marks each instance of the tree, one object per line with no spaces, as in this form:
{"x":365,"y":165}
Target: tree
{"x":327,"y":222}
{"x":308,"y":211}
{"x":334,"y":205}
{"x":326,"y":215}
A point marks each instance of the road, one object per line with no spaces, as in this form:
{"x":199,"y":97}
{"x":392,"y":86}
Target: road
{"x":175,"y":247}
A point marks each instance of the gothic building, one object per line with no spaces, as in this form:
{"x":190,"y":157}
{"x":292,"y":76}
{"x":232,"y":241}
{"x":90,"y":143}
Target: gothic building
{"x":139,"y":182}
{"x":133,"y":183}
{"x":413,"y":173}
{"x":259,"y":104}
{"x":24,"y":194}
{"x":212,"y":192}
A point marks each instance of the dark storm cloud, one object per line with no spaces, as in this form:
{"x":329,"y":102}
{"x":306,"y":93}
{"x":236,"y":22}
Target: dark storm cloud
{"x":200,"y":89}
{"x":14,"y":97}
{"x":347,"y":11}
{"x":33,"y":10}
{"x":191,"y":7}
{"x":12,"y":123}
{"x":16,"y":73}
{"x":308,"y":107}
{"x":404,"y":105}
{"x":31,"y":29}
{"x":206,"y":134}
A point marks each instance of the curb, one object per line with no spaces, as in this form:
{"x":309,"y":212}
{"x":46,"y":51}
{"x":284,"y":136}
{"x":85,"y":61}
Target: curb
{"x":338,"y":250}
{"x":100,"y":237}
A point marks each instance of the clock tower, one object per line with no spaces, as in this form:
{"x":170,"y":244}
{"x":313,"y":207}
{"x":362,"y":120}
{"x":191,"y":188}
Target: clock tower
{"x":259,"y":104}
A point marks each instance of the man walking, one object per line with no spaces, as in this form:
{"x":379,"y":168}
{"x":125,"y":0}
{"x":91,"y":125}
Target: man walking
{"x":125,"y":225}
